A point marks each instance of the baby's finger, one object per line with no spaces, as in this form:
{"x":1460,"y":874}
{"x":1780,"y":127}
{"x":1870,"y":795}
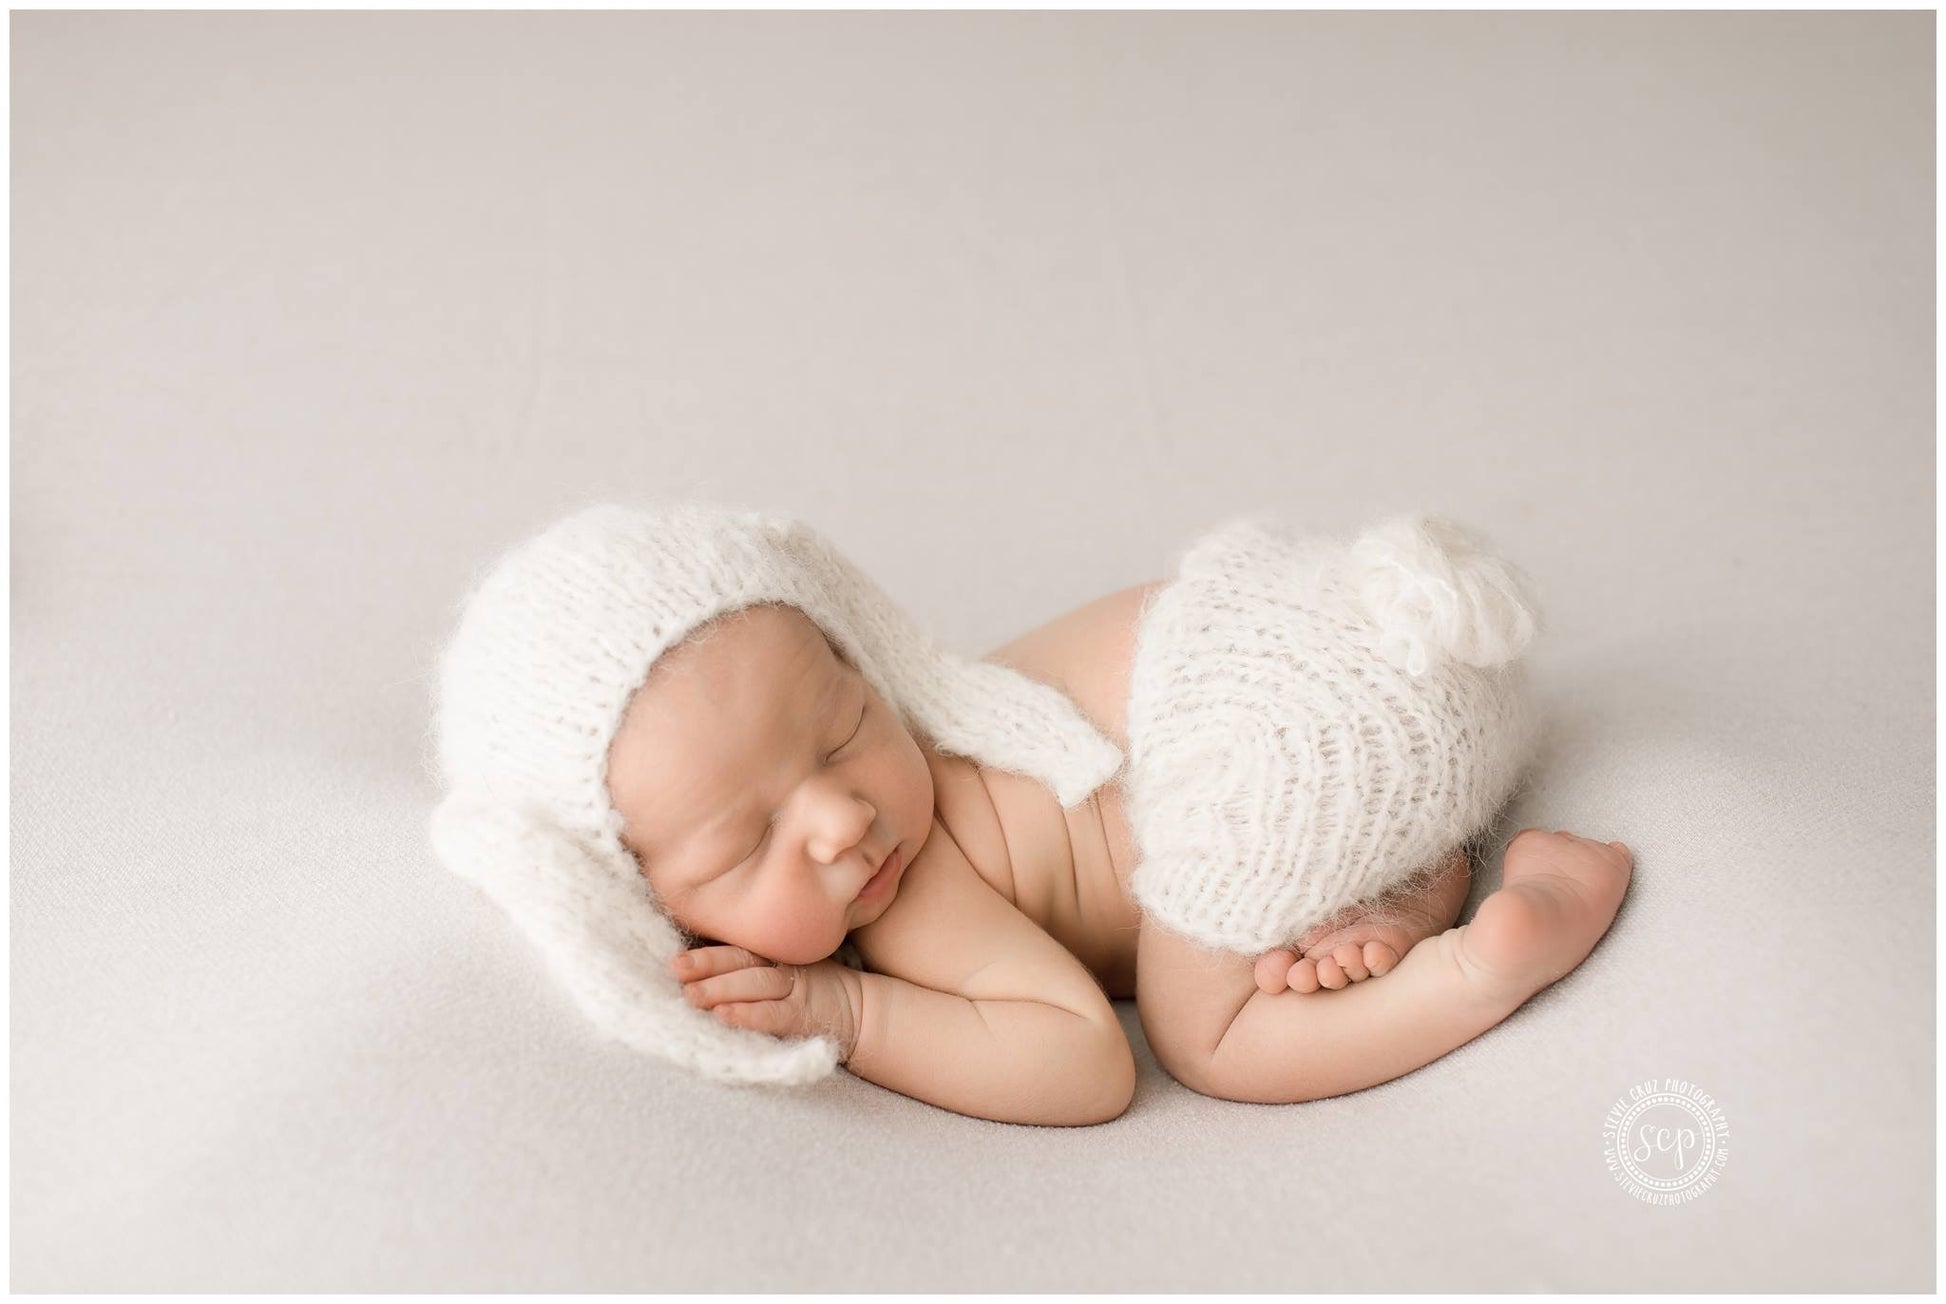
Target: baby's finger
{"x":758,"y":1016}
{"x":708,"y":961}
{"x":766,"y":984}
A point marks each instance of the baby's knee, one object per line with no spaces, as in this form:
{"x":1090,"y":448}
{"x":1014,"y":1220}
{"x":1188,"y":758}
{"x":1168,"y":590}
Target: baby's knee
{"x":1199,"y":1070}
{"x":1177,"y":1041}
{"x":1187,"y":996}
{"x":1189,"y":1054}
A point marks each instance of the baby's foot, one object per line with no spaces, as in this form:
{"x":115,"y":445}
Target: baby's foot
{"x":1343,"y":951}
{"x":1558,"y":894}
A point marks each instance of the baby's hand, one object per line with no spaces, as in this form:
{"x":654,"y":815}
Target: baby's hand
{"x":786,"y":1000}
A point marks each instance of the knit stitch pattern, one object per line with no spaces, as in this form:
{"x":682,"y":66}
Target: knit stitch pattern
{"x":1309,"y":725}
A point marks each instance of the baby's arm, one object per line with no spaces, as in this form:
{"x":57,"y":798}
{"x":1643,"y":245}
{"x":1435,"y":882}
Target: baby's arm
{"x":972,"y":1007}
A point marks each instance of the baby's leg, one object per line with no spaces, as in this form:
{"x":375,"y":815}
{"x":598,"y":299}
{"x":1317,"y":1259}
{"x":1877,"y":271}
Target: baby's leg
{"x":1217,"y":1033}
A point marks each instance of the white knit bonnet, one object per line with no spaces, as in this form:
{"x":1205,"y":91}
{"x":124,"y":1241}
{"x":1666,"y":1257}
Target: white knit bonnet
{"x":531,"y":689}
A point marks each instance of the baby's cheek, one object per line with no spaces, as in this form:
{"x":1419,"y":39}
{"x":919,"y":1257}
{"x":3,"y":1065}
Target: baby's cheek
{"x":797,"y":932}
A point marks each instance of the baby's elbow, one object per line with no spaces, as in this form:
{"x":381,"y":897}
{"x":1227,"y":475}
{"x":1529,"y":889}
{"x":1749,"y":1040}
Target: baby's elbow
{"x":1112,"y":1078}
{"x":1122,"y":1094}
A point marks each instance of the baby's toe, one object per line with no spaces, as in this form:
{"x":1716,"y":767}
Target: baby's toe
{"x":1351,"y":958}
{"x":1272,"y":968}
{"x":1330,"y":975}
{"x":1379,"y":958}
{"x":1304,"y":976}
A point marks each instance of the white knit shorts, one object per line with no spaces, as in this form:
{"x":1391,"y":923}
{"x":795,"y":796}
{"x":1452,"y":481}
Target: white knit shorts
{"x":1279,"y":768}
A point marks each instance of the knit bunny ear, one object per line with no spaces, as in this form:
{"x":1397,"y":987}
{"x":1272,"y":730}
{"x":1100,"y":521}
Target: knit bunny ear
{"x":594,"y":920}
{"x":995,"y":715}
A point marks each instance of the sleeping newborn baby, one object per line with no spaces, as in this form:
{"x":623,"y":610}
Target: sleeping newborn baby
{"x":780,"y":808}
{"x":761,"y":793}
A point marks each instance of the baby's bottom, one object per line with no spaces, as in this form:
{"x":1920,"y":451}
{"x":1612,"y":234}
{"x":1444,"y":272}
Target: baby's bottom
{"x":1217,"y":1033}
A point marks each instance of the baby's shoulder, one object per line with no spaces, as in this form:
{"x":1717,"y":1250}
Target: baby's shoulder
{"x":963,"y":805}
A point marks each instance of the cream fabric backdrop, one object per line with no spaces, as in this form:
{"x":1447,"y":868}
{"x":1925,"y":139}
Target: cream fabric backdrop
{"x":314,"y":311}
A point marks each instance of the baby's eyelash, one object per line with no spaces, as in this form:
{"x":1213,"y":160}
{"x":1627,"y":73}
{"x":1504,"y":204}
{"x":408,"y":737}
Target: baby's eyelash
{"x":860,"y":728}
{"x":768,"y":826}
{"x":863,"y":712}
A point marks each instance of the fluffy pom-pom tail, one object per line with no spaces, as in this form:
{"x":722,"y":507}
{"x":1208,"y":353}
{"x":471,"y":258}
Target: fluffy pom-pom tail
{"x":1437,"y":593}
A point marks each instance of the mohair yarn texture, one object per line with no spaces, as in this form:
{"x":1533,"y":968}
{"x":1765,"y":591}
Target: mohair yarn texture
{"x":531,"y":688}
{"x":1310,"y":724}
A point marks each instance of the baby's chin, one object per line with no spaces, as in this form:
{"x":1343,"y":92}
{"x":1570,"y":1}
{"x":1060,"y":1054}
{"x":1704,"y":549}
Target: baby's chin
{"x":794,"y":952}
{"x":804,"y":956}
